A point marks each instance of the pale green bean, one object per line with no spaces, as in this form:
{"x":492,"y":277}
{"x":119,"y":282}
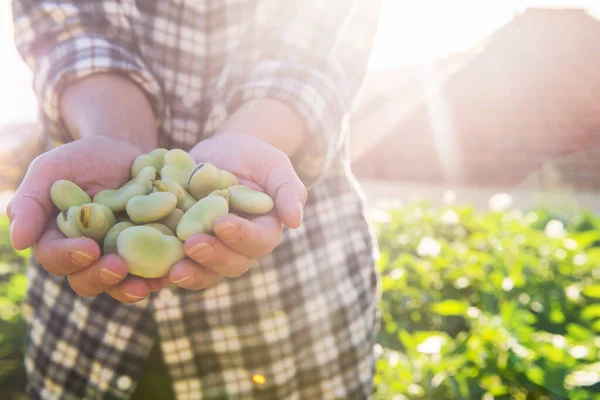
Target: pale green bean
{"x":116,"y":199}
{"x":151,"y":207}
{"x":65,"y":194}
{"x":177,"y":166}
{"x":110,"y":239}
{"x":245,"y":199}
{"x":152,"y":159}
{"x":201,"y":217}
{"x":67,"y":222}
{"x":94,"y":220}
{"x":162,"y":228}
{"x":206,"y":178}
{"x":184,"y":199}
{"x":147,"y":252}
{"x":171,"y":220}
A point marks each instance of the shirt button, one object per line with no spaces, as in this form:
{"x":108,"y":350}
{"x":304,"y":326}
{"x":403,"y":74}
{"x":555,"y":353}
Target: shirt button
{"x":124,"y":382}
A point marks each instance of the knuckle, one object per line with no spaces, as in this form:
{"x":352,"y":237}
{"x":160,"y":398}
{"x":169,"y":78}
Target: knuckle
{"x":235,"y":271}
{"x":264,"y":249}
{"x":50,"y":267}
{"x":37,"y":163}
{"x":79,"y":288}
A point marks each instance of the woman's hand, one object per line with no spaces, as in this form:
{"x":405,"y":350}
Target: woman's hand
{"x":93,"y":163}
{"x":238,"y":241}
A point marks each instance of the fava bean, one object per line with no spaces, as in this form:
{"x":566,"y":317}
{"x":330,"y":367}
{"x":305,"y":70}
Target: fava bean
{"x":147,"y":252}
{"x":162,"y":228}
{"x":245,"y":199}
{"x":171,"y":220}
{"x":150,"y":207}
{"x":206,"y":178}
{"x":67,"y":222}
{"x":201,"y":217}
{"x":145,"y":177}
{"x":152,"y":159}
{"x":184,"y":199}
{"x":65,"y":194}
{"x":110,"y":239}
{"x":177,"y":166}
{"x":94,"y":220}
{"x":116,"y":199}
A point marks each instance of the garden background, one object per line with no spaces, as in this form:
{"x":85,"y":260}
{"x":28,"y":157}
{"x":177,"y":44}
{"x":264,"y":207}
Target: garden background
{"x":474,"y":140}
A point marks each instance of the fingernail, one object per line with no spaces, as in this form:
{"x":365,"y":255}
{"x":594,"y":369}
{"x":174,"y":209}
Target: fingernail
{"x":133,"y":297}
{"x":201,"y":251}
{"x":187,"y":279}
{"x":228,"y":231}
{"x":80,"y":258}
{"x":109,"y":276}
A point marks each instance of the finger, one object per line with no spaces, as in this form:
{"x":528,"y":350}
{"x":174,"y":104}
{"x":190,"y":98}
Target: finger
{"x":253,"y":238}
{"x":30,"y":209}
{"x":131,"y":290}
{"x":287,"y":190}
{"x":108,"y":271}
{"x":60,"y":255}
{"x":211,"y":253}
{"x":155,"y":284}
{"x":189,"y":275}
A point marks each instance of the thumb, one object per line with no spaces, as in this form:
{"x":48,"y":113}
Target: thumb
{"x":288,"y":192}
{"x":29,"y":211}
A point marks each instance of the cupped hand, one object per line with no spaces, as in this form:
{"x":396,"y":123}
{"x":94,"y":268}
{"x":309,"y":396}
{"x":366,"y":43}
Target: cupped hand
{"x":94,"y":164}
{"x":238,"y":241}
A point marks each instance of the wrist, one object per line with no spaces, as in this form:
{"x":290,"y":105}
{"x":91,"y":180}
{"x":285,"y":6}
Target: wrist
{"x":270,"y":121}
{"x":110,"y":106}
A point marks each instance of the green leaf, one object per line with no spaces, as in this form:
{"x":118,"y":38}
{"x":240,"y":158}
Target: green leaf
{"x":450,"y":307}
{"x":592,"y":291}
{"x":585,"y":239}
{"x":591,"y":312}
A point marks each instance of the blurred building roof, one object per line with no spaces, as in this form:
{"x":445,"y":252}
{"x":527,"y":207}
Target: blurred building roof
{"x":529,"y":95}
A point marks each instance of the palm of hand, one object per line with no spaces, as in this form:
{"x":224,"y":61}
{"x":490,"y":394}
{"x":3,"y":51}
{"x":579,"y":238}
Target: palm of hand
{"x":94,"y":164}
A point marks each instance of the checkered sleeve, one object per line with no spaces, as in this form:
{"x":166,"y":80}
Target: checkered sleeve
{"x":311,"y":55}
{"x":72,"y":39}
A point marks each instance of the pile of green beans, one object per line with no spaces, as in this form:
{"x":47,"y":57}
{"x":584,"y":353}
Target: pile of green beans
{"x":146,"y":221}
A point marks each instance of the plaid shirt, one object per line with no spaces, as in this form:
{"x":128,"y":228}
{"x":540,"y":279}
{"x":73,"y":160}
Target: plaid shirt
{"x":303,"y":319}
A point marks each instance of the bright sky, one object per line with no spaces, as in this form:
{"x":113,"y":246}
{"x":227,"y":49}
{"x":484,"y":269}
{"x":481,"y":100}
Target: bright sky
{"x":409,"y":30}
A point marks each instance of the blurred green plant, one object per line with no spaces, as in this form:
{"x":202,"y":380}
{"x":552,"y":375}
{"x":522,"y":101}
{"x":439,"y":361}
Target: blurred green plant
{"x":475,"y":305}
{"x":487,"y":304}
{"x":13,"y":285}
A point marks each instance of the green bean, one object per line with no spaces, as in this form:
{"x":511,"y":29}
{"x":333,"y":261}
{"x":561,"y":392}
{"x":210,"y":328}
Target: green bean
{"x":206,"y":178}
{"x":110,"y":239}
{"x":162,"y":228}
{"x":171,"y":220}
{"x":245,"y":199}
{"x":201,"y":217}
{"x":116,"y":199}
{"x":67,"y":222}
{"x":177,"y":166}
{"x":65,"y":194}
{"x":152,"y":159}
{"x":150,"y":207}
{"x":147,"y":252}
{"x":184,"y":199}
{"x":94,"y":220}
